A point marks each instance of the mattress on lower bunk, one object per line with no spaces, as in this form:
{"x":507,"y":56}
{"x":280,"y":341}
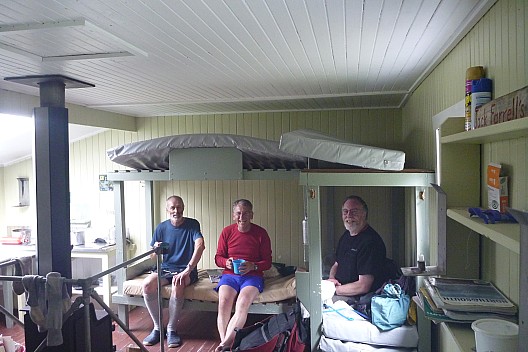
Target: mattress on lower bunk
{"x":332,"y":345}
{"x":276,"y":288}
{"x":341,"y":323}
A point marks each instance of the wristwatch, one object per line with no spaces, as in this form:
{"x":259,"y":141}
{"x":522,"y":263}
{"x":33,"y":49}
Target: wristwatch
{"x":255,"y":267}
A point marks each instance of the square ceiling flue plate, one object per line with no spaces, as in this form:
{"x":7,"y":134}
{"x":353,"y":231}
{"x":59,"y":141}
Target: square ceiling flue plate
{"x":35,"y":81}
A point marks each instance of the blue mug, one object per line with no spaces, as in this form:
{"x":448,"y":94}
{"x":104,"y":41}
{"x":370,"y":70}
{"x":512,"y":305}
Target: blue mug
{"x":236,"y":265}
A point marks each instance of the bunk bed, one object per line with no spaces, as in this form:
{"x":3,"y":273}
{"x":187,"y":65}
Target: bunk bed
{"x":222,"y":157}
{"x":379,"y":168}
{"x":245,"y":158}
{"x":418,"y":183}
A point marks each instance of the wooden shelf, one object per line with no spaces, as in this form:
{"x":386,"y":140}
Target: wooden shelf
{"x":505,"y":234}
{"x":460,"y":157}
{"x":502,"y":131}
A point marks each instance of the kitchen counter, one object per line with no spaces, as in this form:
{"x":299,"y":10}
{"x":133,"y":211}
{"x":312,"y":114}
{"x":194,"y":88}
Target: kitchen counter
{"x":15,"y":250}
{"x":10,"y":251}
{"x":7,"y":252}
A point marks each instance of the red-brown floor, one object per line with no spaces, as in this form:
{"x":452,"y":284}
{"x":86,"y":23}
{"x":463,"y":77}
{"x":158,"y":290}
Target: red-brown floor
{"x":197,"y":329}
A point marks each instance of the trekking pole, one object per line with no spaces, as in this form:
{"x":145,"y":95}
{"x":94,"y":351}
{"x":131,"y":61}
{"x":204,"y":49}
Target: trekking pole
{"x":162,"y":249}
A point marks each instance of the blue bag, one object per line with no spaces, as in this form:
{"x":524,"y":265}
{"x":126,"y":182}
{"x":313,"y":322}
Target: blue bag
{"x":389,"y":309}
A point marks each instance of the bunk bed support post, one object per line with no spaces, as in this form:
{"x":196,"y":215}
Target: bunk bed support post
{"x":316,"y":274}
{"x":420,"y":227}
{"x":421,"y":212}
{"x":309,"y":283}
{"x":120,"y":235}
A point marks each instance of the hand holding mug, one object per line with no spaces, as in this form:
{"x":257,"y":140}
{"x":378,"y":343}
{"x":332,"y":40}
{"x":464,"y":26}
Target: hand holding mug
{"x":229,"y":264}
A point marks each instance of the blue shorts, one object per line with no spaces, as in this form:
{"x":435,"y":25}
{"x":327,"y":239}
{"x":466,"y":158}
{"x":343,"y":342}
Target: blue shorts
{"x":238,"y":282}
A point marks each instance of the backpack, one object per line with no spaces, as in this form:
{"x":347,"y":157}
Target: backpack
{"x":283,"y":332}
{"x":297,"y":342}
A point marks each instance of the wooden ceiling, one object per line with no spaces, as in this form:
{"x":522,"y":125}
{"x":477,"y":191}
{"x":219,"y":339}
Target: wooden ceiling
{"x":170,"y":57}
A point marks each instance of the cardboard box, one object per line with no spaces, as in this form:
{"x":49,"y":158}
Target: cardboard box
{"x":506,"y":108}
{"x":497,"y":188}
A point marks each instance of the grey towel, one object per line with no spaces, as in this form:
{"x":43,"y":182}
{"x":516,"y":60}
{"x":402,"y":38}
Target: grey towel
{"x":58,"y":304}
{"x":36,"y":299}
{"x":48,"y":301}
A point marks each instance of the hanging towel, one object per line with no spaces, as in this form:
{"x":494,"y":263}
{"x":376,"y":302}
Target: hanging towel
{"x":58,"y":304}
{"x":48,"y":302}
{"x":36,"y":299}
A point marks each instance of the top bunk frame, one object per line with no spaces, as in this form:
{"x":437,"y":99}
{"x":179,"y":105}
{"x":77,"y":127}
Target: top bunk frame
{"x":223,"y":163}
{"x":237,"y":157}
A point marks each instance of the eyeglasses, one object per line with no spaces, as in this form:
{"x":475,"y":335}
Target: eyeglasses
{"x":351,"y":212}
{"x":243,"y":213}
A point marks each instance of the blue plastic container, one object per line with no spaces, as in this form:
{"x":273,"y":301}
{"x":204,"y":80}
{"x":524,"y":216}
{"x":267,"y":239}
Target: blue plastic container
{"x":480,"y":95}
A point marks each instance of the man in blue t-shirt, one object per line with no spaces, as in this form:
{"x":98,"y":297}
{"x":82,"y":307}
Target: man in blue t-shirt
{"x":359,"y":268}
{"x":186,"y":245}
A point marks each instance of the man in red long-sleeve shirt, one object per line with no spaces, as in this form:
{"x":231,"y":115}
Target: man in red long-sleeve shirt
{"x":241,"y":240}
